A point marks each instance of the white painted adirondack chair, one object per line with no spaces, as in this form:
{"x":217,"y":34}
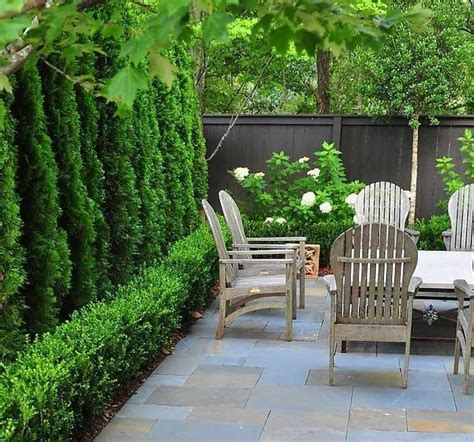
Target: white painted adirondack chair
{"x":464,"y":329}
{"x":372,"y":288}
{"x":239,"y":288}
{"x":242,"y":242}
{"x":461,"y":214}
{"x":387,"y":203}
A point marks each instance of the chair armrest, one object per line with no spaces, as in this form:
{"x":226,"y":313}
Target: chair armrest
{"x":447,"y":238}
{"x":278,"y":239}
{"x":415,"y":235}
{"x":462,"y":288}
{"x":257,"y":261}
{"x":261,"y":252}
{"x":414,"y":285}
{"x":330,"y":283}
{"x":265,"y":246}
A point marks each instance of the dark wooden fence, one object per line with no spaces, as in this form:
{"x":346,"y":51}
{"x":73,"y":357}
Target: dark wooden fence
{"x":371,"y":150}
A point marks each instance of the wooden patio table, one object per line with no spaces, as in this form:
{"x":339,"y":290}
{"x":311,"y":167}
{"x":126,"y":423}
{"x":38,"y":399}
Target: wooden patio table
{"x":439,"y":269}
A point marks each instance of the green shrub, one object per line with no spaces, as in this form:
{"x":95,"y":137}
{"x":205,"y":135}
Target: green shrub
{"x":431,"y":232}
{"x":65,"y":379}
{"x":294,"y":191}
{"x":12,"y":254}
{"x":47,"y":264}
{"x":323,"y":233}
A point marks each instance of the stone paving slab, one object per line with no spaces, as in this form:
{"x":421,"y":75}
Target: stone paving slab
{"x":126,"y":429}
{"x":179,"y":365}
{"x":199,"y":396}
{"x":379,"y":419}
{"x":440,"y":422}
{"x":177,"y":431}
{"x":399,"y":398}
{"x":167,"y":379}
{"x":148,"y":411}
{"x":301,"y":426}
{"x":382,"y":379}
{"x":284,"y":376}
{"x":396,"y":436}
{"x":224,"y":376}
{"x":316,"y":399}
{"x":230,"y":415}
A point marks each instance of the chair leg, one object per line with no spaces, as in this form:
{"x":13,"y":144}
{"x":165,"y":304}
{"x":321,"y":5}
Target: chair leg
{"x":332,"y":351}
{"x":302,"y":288}
{"x":457,"y":349}
{"x":294,"y":298}
{"x":407,"y":344}
{"x":467,"y":362}
{"x":290,"y":297}
{"x":222,"y":315}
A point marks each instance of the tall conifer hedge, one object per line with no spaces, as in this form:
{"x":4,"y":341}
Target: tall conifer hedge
{"x":77,"y":217}
{"x":47,"y":265}
{"x":88,"y":197}
{"x":11,"y":252}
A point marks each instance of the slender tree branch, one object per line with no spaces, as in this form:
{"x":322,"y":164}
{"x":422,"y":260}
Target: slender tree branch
{"x":59,"y":71}
{"x":234,"y":118}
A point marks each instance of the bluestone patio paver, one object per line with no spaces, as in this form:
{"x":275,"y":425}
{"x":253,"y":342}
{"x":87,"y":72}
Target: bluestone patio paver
{"x":254,"y":386}
{"x":169,"y":430}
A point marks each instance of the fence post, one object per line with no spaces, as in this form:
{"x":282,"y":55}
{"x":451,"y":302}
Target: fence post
{"x":336,"y":131}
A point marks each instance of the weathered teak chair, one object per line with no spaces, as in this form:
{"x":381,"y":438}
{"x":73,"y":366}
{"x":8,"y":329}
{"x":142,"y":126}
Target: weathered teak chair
{"x":461,"y":214}
{"x":238,"y":289}
{"x":386,"y":203}
{"x":372,"y":288}
{"x":241,"y":242}
{"x":464,"y":329}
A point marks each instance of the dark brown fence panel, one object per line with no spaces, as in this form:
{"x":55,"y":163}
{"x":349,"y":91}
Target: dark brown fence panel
{"x":371,"y":150}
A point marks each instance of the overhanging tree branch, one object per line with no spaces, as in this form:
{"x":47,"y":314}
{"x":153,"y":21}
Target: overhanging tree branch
{"x":234,"y":118}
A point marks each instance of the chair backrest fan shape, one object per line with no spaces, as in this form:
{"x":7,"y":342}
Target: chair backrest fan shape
{"x":373,"y":265}
{"x":461,"y":209}
{"x":218,"y":238}
{"x":383,"y":202}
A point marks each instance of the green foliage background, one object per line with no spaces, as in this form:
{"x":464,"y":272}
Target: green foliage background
{"x":88,"y":197}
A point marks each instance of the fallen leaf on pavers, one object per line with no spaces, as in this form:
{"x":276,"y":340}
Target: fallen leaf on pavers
{"x":197,"y":315}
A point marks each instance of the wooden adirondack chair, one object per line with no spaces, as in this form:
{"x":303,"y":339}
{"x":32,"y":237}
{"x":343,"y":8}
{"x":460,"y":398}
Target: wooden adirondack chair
{"x":464,"y":329}
{"x":387,"y":203}
{"x":238,"y":288}
{"x":241,"y":242}
{"x":461,"y":213}
{"x":372,"y":288}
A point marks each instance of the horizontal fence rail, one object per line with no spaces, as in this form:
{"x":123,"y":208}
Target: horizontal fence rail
{"x":372,"y":149}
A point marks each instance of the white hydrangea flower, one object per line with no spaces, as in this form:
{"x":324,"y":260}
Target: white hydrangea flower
{"x":268,"y":219}
{"x":259,"y":175}
{"x":313,"y":172}
{"x":325,"y":207}
{"x":355,"y":219}
{"x":308,"y":199}
{"x":303,"y":160}
{"x":351,"y":199}
{"x":241,"y":173}
{"x":280,"y":220}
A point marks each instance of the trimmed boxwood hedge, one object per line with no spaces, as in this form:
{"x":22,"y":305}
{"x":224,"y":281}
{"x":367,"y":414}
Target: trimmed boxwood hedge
{"x":65,"y":379}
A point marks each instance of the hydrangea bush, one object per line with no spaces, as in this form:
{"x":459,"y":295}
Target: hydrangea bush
{"x":300,"y":191}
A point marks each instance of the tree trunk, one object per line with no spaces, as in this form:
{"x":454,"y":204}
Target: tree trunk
{"x":198,"y":53}
{"x":323,"y":61}
{"x":414,"y":174}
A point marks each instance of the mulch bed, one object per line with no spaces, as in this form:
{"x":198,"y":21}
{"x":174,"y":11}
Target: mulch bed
{"x":128,"y":389}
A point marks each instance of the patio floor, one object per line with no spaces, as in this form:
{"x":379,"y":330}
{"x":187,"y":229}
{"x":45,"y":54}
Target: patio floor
{"x":254,"y":386}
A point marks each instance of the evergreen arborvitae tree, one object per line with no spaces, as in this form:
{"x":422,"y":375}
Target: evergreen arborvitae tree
{"x":93,"y":178}
{"x":148,"y":164}
{"x":77,"y":217}
{"x":185,"y":81}
{"x":11,"y":253}
{"x":47,"y":265}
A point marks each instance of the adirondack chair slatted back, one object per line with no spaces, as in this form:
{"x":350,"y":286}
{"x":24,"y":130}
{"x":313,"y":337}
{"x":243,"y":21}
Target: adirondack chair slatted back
{"x":234,"y":220}
{"x":383,"y":202}
{"x":373,"y":265}
{"x":460,"y":209}
{"x":218,"y":238}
